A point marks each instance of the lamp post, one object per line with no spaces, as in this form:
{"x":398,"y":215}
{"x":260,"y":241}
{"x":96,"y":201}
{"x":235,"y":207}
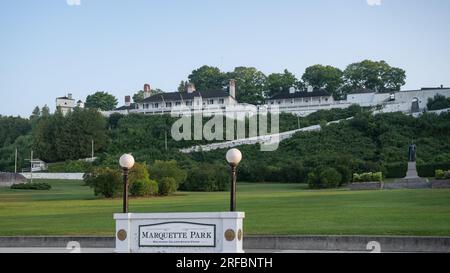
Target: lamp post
{"x":126,"y":161}
{"x":233,"y":157}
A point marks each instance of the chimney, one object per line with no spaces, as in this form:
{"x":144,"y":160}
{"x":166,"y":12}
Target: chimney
{"x":127,"y":101}
{"x":233,"y":88}
{"x":191,"y":88}
{"x":442,"y":86}
{"x":292,"y":90}
{"x":147,"y":91}
{"x":69,"y":95}
{"x":310,"y":88}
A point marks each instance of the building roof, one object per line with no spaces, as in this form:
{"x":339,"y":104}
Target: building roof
{"x":64,"y":98}
{"x":178,"y":96}
{"x":362,"y":91}
{"x":132,"y":106}
{"x":302,"y":94}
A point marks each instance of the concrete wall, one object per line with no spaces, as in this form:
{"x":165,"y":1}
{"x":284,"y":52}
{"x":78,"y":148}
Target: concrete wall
{"x":8,"y":179}
{"x":308,"y":243}
{"x":62,"y":176}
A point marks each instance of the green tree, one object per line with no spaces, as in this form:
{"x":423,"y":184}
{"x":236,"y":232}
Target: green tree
{"x":101,"y":100}
{"x":45,"y":112}
{"x":182,"y":87}
{"x":250,"y":84}
{"x":36,"y":113}
{"x":324,"y":77}
{"x":377,"y":76}
{"x":207,"y":78}
{"x":277,"y":82}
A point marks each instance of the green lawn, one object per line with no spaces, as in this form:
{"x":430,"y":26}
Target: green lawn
{"x":72,"y":209}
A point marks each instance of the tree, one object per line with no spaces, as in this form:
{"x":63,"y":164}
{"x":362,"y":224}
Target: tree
{"x":139,"y":95}
{"x":250,"y":84}
{"x":182,"y":87}
{"x":207,"y":78}
{"x":277,"y":82}
{"x":377,"y":76}
{"x":101,"y":100}
{"x":58,"y":138}
{"x":45,"y":112}
{"x":324,"y":77}
{"x":36,"y":113}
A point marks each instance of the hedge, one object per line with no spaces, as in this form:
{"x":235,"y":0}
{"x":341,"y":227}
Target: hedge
{"x":428,"y":170}
{"x":32,"y":186}
{"x":396,"y":170}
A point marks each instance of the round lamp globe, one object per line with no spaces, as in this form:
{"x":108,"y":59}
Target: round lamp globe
{"x":126,"y":161}
{"x":234,"y":156}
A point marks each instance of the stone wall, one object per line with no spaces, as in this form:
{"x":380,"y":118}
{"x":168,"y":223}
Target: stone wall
{"x":8,"y":179}
{"x":440,"y":184}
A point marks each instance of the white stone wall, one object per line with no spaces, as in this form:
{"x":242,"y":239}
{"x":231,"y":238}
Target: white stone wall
{"x":60,"y":176}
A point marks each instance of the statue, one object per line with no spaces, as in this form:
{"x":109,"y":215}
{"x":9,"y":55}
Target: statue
{"x":412,"y":153}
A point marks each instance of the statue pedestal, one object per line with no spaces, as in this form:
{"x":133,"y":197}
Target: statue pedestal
{"x":412,"y":171}
{"x":411,"y":180}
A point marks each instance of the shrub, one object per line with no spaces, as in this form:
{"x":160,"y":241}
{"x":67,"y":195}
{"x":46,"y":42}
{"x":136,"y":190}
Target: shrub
{"x":105,"y":181}
{"x":207,"y":177}
{"x":396,"y":170}
{"x":161,"y":169}
{"x":32,"y":186}
{"x":143,"y":187}
{"x":167,"y":185}
{"x":439,"y":174}
{"x":428,"y":170}
{"x":327,"y":178}
{"x":368,"y":177}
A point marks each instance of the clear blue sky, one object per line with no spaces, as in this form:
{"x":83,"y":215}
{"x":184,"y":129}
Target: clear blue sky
{"x":52,"y":47}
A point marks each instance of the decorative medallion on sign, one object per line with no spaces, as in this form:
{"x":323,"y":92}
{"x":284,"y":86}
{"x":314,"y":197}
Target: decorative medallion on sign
{"x":230,"y":235}
{"x":122,"y":235}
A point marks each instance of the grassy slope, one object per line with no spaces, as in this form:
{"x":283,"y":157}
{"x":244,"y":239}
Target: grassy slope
{"x":70,"y":208}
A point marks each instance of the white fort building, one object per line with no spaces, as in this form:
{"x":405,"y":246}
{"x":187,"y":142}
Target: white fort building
{"x":301,"y":103}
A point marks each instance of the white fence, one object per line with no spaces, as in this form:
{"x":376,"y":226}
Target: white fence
{"x":61,"y":176}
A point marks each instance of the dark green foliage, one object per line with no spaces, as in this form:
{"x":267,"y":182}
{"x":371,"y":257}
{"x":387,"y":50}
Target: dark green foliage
{"x":208,"y":177}
{"x":101,"y":100}
{"x":396,"y":170}
{"x":59,"y":138}
{"x":70,"y":166}
{"x":32,"y":186}
{"x":438,"y":102}
{"x":325,"y":178}
{"x":428,"y":170}
{"x":167,"y":185}
{"x":105,"y":182}
{"x":11,"y":128}
{"x":144,"y":187}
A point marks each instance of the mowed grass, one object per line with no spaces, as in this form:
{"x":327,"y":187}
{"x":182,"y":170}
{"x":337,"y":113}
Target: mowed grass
{"x":70,"y":208}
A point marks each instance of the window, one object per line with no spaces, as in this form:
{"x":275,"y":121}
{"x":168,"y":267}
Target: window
{"x":177,"y":103}
{"x":271,"y":102}
{"x":168,"y":104}
{"x":210,"y":101}
{"x":189,"y":103}
{"x":292,"y":100}
{"x":156,"y":105}
{"x":221,"y":101}
{"x":279,"y":102}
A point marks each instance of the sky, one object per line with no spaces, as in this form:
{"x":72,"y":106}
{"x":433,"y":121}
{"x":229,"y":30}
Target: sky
{"x":49,"y":48}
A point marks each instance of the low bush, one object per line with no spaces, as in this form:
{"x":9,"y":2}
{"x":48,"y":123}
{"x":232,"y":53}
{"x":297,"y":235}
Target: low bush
{"x":368,"y":177}
{"x":32,"y":186}
{"x":396,"y":170}
{"x":428,"y":170}
{"x":144,"y":187}
{"x":441,"y":174}
{"x":326,"y":178}
{"x":207,"y":177}
{"x":167,"y":185}
{"x":105,"y":181}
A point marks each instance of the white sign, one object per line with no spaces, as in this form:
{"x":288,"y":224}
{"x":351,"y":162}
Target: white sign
{"x":177,"y":234}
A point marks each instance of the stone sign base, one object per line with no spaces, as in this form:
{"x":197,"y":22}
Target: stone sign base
{"x":203,"y":232}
